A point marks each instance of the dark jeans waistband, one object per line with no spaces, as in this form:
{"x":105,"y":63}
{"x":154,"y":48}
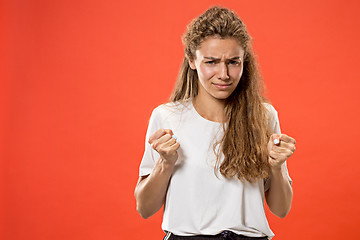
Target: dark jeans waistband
{"x":225,"y":235}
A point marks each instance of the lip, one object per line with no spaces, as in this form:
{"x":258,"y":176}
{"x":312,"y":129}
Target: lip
{"x":222,"y":85}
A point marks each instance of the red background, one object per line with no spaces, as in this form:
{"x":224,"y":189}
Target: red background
{"x":79,"y":80}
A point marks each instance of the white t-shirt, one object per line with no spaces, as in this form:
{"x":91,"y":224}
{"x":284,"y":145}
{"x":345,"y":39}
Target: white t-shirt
{"x":198,"y":201}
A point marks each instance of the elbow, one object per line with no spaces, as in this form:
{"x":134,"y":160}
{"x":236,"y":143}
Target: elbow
{"x":144,"y":214}
{"x":140,"y":208}
{"x":283,"y":213}
{"x":279,"y":206}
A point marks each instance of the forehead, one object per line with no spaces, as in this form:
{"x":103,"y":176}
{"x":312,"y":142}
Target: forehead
{"x":217,"y":47}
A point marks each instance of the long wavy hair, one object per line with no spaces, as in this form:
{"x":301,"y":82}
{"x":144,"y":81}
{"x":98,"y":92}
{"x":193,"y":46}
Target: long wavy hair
{"x":244,"y":143}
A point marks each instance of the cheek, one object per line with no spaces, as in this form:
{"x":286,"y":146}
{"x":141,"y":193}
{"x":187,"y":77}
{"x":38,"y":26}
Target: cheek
{"x":236,"y":73}
{"x":205,"y":71}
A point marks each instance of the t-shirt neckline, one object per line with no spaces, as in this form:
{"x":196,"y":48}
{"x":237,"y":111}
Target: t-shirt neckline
{"x":201,"y":117}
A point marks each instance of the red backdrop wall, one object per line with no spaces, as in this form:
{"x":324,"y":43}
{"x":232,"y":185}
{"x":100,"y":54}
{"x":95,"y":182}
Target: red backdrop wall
{"x":80,"y":79}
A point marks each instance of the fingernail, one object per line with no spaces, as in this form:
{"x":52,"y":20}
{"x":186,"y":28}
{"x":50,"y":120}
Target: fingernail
{"x":276,"y":141}
{"x":173,"y":136}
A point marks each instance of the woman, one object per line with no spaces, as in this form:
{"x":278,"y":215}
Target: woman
{"x":215,"y":151}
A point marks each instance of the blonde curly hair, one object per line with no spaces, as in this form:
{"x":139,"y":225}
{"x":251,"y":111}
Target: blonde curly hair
{"x":244,"y":143}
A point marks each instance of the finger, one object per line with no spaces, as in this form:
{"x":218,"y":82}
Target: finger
{"x":285,"y":152}
{"x":288,"y":139}
{"x":169,"y":131}
{"x":279,"y":156}
{"x":175,"y":146}
{"x":168,"y":150}
{"x":169,"y":142}
{"x":285,"y":145}
{"x":165,"y":138}
{"x":160,"y":141}
{"x":276,"y":155}
{"x":159,"y":133}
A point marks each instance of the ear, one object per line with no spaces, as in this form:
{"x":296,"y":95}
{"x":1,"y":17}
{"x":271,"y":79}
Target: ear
{"x":192,"y":65}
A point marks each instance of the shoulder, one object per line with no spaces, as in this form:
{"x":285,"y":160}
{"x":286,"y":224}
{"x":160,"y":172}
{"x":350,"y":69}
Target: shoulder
{"x":272,"y":117}
{"x":270,"y":108}
{"x":272,"y":114}
{"x":170,"y":109}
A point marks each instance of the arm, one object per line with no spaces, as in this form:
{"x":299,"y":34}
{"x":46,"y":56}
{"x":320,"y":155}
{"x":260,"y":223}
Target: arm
{"x":279,"y":196}
{"x":150,"y":191}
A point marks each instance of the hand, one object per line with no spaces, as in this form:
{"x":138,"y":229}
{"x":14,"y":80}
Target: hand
{"x":167,"y":146}
{"x":280,"y":148}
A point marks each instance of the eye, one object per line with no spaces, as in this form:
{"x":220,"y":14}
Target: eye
{"x":233,"y":62}
{"x":210,"y":62}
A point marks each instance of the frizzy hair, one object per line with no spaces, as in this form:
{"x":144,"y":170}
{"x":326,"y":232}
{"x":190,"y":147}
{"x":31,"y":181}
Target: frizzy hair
{"x":244,"y":143}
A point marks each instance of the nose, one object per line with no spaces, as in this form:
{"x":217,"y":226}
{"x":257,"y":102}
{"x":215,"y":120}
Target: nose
{"x":223,"y":71}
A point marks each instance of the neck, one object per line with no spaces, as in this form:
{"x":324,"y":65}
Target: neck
{"x":211,"y":109}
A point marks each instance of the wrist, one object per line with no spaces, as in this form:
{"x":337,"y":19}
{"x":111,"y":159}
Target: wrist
{"x":166,"y":166}
{"x":276,"y":170}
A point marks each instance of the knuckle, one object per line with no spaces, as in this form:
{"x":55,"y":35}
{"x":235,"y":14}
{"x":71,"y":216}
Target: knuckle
{"x":167,"y":131}
{"x":289,"y":152}
{"x":159,"y":132}
{"x":172,"y":141}
{"x":160,"y":149}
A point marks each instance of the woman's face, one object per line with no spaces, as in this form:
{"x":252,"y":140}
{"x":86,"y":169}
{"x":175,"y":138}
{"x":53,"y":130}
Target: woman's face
{"x":219,"y":65}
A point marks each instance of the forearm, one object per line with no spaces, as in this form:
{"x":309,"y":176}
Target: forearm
{"x":279,"y":196}
{"x":150,"y":193}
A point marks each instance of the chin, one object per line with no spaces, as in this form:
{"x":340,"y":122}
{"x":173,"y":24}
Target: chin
{"x":221,"y":96}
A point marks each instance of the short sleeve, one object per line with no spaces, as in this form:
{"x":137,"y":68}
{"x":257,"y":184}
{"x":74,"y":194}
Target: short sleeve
{"x":150,"y":155}
{"x":275,"y":127}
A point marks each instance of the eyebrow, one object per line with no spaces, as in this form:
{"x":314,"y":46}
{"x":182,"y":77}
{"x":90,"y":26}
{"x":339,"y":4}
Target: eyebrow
{"x":213,"y":58}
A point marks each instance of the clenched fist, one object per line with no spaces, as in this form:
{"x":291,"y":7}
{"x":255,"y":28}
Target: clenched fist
{"x":280,"y":148}
{"x":166,"y":145}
